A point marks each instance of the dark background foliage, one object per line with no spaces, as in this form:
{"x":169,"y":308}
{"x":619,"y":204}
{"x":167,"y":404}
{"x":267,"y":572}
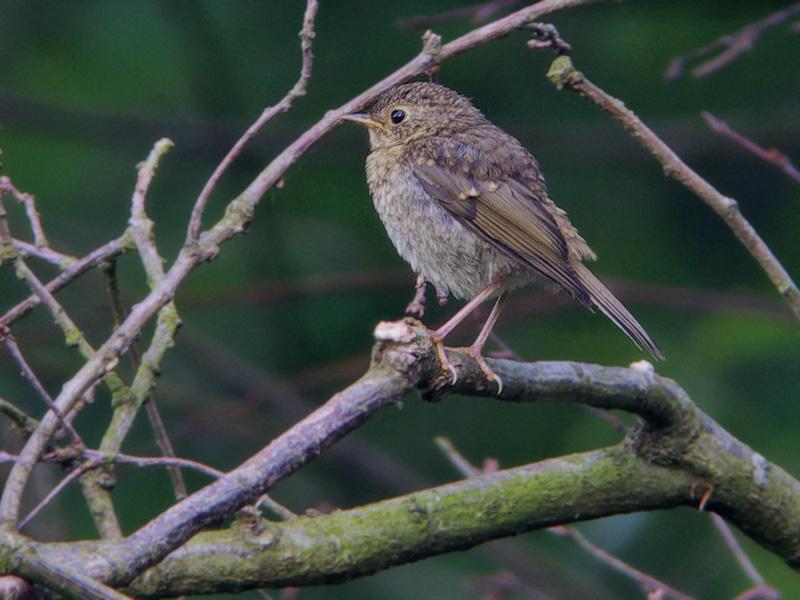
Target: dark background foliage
{"x":284,"y":316}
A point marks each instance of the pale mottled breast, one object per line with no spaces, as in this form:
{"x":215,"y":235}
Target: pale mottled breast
{"x":436,"y":246}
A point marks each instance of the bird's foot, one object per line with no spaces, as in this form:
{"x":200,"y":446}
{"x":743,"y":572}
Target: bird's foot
{"x":416,"y":308}
{"x":475,"y":353}
{"x":438,"y":345}
{"x":441,"y":296}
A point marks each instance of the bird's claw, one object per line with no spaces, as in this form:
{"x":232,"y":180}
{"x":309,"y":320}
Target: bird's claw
{"x":415,"y":309}
{"x":475,"y":353}
{"x":443,"y":360}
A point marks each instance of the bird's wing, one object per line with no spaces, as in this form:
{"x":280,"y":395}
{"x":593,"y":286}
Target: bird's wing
{"x":513,"y":214}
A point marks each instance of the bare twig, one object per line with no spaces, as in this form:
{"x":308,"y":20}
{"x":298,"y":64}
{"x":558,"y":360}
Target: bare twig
{"x":96,"y":457}
{"x":13,"y":348}
{"x":770,"y":155}
{"x":99,"y":500}
{"x":738,"y":552}
{"x":154,"y":461}
{"x":25,"y":423}
{"x":732,"y":46}
{"x":73,"y":271}
{"x":27,"y":200}
{"x":458,"y":460}
{"x":477,"y":14}
{"x":141,"y":226}
{"x":647,"y":582}
{"x":277,"y":508}
{"x":141,"y":229}
{"x":564,"y":75}
{"x":299,"y":89}
{"x":759,"y":592}
{"x":71,"y":476}
{"x":44,"y":253}
{"x":151,"y":408}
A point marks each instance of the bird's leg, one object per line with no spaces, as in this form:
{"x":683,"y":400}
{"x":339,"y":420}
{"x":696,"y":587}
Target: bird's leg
{"x":477,"y":346}
{"x":416,"y":308}
{"x":456,"y":319}
{"x":441,"y":296}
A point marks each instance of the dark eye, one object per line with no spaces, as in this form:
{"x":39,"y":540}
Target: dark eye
{"x":398,"y":116}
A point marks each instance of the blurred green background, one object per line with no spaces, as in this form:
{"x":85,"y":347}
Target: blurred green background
{"x":284,"y":316}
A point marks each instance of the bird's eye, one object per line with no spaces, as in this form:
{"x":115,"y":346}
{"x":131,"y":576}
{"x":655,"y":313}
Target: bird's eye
{"x":398,"y":116}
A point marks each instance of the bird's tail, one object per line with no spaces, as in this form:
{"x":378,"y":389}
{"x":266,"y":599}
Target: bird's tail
{"x":605,"y":301}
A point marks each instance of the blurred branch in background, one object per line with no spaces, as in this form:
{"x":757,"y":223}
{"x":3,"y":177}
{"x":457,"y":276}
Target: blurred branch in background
{"x":730,"y":47}
{"x":476,"y":14}
{"x":771,"y":155}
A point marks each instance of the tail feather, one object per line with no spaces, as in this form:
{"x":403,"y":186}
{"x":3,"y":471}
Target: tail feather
{"x":605,"y":301}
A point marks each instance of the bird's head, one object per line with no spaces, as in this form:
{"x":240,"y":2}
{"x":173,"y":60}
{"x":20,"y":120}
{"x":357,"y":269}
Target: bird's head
{"x":417,"y":110}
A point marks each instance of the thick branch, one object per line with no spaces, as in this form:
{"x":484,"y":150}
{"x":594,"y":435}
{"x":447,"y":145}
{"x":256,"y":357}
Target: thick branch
{"x":677,"y":456}
{"x":348,"y":544}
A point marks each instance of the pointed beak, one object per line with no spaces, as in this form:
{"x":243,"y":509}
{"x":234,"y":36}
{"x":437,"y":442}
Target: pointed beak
{"x":364,"y":120}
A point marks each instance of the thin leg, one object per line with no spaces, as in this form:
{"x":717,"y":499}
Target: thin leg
{"x":477,"y":346}
{"x":454,"y":321}
{"x":462,"y":314}
{"x":416,"y":308}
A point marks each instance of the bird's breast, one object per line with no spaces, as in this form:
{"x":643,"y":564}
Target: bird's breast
{"x":433,"y":242}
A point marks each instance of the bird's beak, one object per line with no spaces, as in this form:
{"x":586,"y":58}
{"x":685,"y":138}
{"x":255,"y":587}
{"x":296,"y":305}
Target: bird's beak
{"x":364,"y":120}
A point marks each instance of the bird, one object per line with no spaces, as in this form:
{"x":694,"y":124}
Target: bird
{"x":466,"y":205}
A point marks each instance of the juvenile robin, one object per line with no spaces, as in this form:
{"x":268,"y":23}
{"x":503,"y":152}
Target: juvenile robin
{"x":465,"y":204}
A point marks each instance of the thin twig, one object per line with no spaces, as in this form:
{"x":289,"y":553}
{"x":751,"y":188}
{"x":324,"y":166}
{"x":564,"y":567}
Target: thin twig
{"x":647,"y":582}
{"x":142,"y":231}
{"x":155,"y":461}
{"x":738,"y":552}
{"x":25,"y":369}
{"x":759,"y":592}
{"x":732,"y":45}
{"x":151,"y":408}
{"x":70,"y":455}
{"x":71,"y":476}
{"x":477,"y":14}
{"x":141,"y":226}
{"x":299,"y":89}
{"x":770,"y":155}
{"x":44,"y":253}
{"x":71,"y":273}
{"x":24,"y":422}
{"x":277,"y":508}
{"x":101,"y":506}
{"x":564,"y":75}
{"x":27,"y":200}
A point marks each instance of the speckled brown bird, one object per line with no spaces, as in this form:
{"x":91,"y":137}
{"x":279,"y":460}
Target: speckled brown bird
{"x":466,"y":205}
